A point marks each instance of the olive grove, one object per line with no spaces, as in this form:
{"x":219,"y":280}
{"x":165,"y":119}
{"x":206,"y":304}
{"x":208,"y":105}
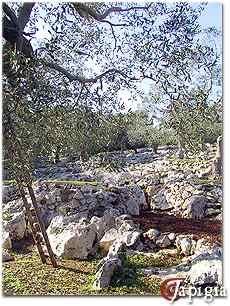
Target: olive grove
{"x":60,"y":93}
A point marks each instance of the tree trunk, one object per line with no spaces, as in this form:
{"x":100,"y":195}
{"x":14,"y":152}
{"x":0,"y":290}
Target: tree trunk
{"x":155,"y":147}
{"x":84,"y":156}
{"x":180,"y":151}
{"x":217,"y":166}
{"x":56,"y":155}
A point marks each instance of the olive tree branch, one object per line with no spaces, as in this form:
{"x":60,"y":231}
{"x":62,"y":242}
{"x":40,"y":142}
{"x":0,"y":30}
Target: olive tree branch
{"x":85,"y":11}
{"x":74,"y":77}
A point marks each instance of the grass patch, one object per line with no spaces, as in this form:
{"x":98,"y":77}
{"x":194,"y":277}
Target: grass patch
{"x":207,"y":181}
{"x":130,"y":281}
{"x":186,"y":160}
{"x":9,"y":182}
{"x":28,"y":276}
{"x":72,"y":182}
{"x":163,"y":260}
{"x":15,"y":284}
{"x":6,"y":216}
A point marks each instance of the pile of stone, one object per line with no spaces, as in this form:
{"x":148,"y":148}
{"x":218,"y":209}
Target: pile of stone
{"x":186,"y":200}
{"x":74,"y":202}
{"x":195,"y":252}
{"x":88,"y":200}
{"x":9,"y":193}
{"x":77,"y":239}
{"x":6,"y":247}
{"x":96,"y":219}
{"x":201,"y":264}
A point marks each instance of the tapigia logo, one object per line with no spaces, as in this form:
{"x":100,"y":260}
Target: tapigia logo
{"x":169,"y":288}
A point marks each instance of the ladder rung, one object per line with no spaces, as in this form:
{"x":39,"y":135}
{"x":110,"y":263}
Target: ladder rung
{"x":33,"y":213}
{"x":37,"y":227}
{"x":34,"y":220}
{"x":39,"y":237}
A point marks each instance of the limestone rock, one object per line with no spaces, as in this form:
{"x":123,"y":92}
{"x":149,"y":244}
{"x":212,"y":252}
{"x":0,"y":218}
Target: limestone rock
{"x":203,"y":246}
{"x":6,"y":241}
{"x":108,"y":239}
{"x":217,"y":166}
{"x":159,"y":201}
{"x":10,"y":193}
{"x":6,"y":256}
{"x":152,"y":234}
{"x":73,"y":240}
{"x":105,"y":273}
{"x":12,"y":207}
{"x":105,"y":223}
{"x":195,"y":207}
{"x":172,"y":237}
{"x":131,"y":238}
{"x":139,"y":196}
{"x":163,"y":241}
{"x":120,"y":219}
{"x":127,"y":226}
{"x":53,"y":196}
{"x":132,"y":207}
{"x":206,"y":272}
{"x":115,"y":249}
{"x":185,"y":245}
{"x":131,"y":199}
{"x":16,"y":225}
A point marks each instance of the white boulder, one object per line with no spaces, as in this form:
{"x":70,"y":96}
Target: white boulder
{"x":115,"y":249}
{"x":185,"y":245}
{"x":105,"y":223}
{"x":72,"y":241}
{"x":131,"y":238}
{"x":206,"y":272}
{"x":108,"y":239}
{"x":152,"y":234}
{"x":6,"y":256}
{"x":15,"y":225}
{"x":6,"y":241}
{"x":159,"y":201}
{"x":139,"y":196}
{"x":195,"y":207}
{"x":163,"y":241}
{"x":105,"y":273}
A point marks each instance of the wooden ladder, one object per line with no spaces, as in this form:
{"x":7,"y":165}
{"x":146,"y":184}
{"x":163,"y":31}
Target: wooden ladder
{"x":23,"y":179}
{"x":37,"y":226}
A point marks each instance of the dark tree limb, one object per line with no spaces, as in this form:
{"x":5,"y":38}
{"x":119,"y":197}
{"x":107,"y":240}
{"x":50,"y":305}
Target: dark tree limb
{"x":85,"y":11}
{"x":13,"y":28}
{"x":83,"y":80}
{"x":24,"y":14}
{"x":10,"y":14}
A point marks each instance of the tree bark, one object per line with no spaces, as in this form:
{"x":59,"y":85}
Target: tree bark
{"x":13,"y":28}
{"x":217,"y":166}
